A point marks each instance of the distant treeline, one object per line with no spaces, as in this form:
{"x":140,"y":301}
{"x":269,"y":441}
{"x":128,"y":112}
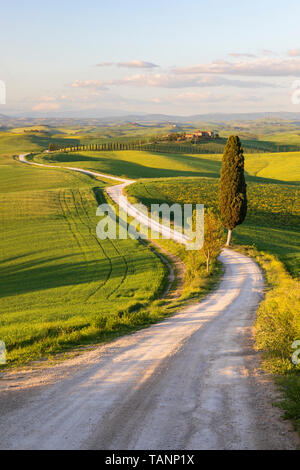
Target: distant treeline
{"x":214,"y":147}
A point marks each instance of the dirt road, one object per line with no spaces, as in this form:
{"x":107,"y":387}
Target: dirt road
{"x":116,"y":194}
{"x":190,"y":382}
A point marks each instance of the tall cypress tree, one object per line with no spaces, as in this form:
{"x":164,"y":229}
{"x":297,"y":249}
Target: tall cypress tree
{"x":232,"y":186}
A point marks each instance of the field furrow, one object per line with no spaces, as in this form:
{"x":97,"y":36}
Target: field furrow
{"x":57,"y":278}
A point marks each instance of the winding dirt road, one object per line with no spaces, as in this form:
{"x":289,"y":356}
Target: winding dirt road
{"x":116,"y":194}
{"x":189,"y":382}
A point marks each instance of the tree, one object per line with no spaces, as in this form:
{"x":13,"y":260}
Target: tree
{"x":232,"y":186}
{"x":213,"y":237}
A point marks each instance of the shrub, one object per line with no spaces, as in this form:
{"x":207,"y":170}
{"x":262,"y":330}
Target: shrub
{"x":100,"y":321}
{"x":135,"y":307}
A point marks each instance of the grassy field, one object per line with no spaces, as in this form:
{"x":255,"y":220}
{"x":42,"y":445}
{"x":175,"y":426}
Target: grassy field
{"x":57,"y":278}
{"x":61,"y":287}
{"x":273,"y":188}
{"x":272,"y":223}
{"x":44,"y":208}
{"x":264,"y":134}
{"x":137,"y":164}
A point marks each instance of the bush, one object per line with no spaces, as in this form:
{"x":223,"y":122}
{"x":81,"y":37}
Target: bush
{"x":135,"y":307}
{"x":100,"y":322}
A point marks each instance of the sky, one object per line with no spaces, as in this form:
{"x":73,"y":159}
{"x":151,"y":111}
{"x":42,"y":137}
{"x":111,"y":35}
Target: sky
{"x":87,"y":58}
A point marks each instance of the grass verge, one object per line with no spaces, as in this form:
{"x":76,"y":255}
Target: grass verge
{"x":277,"y":327}
{"x":106,"y":327}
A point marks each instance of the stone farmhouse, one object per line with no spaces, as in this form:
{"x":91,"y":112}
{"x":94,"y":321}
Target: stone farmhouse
{"x":202,"y":134}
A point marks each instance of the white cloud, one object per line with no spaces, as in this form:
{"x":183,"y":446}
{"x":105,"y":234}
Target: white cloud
{"x":258,"y":67}
{"x":211,"y":97}
{"x":171,"y":80}
{"x":48,"y":98}
{"x":294,"y":52}
{"x":46,"y":106}
{"x":92,"y":84}
{"x":137,"y":64}
{"x":187,"y":96}
{"x":157,"y":100}
{"x":132,"y":64}
{"x":105,"y":64}
{"x":239,"y":55}
{"x":268,"y":52}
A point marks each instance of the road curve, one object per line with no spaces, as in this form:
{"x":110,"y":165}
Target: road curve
{"x":189,"y":382}
{"x":116,"y":194}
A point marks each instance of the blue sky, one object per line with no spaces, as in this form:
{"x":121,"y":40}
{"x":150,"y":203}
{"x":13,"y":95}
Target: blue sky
{"x":164,"y":56}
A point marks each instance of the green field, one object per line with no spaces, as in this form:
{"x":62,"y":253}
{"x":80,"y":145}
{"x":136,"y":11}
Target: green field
{"x":61,"y":287}
{"x":272,"y":223}
{"x":264,"y":134}
{"x":137,"y":164}
{"x":57,"y":278}
{"x":273,"y":188}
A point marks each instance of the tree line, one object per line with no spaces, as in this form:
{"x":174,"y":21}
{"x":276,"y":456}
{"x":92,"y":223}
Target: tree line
{"x":159,"y":147}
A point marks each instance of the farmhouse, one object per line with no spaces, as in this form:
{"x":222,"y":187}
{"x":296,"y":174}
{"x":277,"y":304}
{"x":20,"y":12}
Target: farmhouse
{"x":202,"y":134}
{"x":194,"y":137}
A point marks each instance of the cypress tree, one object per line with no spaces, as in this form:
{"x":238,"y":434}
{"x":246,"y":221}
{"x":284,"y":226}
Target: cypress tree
{"x":232,"y":186}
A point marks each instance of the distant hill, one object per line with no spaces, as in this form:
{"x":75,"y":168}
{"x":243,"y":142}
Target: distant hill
{"x":141,"y":118}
